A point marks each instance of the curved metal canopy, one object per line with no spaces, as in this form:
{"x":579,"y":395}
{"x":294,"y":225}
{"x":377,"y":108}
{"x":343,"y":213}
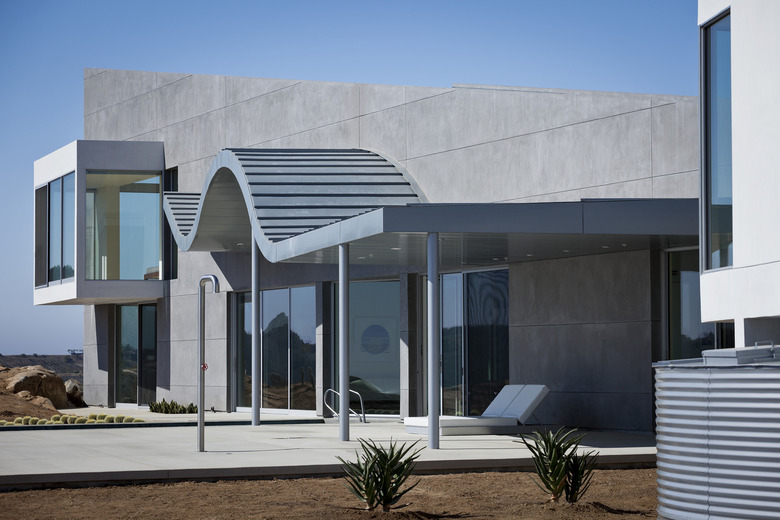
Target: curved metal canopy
{"x":276,"y":194}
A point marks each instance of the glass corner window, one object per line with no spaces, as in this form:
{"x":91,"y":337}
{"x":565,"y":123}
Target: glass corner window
{"x":123,"y":225}
{"x":55,"y":231}
{"x":716,"y":143}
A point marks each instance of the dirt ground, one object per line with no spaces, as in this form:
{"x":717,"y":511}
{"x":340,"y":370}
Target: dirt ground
{"x":12,"y":406}
{"x":615,"y":494}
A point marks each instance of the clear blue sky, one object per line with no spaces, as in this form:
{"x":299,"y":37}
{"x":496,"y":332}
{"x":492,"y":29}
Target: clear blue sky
{"x":616,"y":45}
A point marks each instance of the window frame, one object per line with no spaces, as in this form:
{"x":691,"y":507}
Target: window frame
{"x":42,"y":200}
{"x":705,"y":198}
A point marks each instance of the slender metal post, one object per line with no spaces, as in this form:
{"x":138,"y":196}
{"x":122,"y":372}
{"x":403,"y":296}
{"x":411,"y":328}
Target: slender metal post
{"x":202,"y":353}
{"x":434,"y":331}
{"x":344,"y":342}
{"x":257,"y":332}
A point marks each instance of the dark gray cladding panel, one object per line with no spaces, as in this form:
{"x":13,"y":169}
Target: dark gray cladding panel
{"x":641,"y":216}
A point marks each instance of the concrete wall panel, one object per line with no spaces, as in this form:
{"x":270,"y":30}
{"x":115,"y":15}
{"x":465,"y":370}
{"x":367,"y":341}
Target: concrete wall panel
{"x":675,"y":139}
{"x":239,"y":89}
{"x":190,"y":97}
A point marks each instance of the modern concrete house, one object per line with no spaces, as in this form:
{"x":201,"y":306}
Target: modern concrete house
{"x":558,"y":229}
{"x":718,"y":415}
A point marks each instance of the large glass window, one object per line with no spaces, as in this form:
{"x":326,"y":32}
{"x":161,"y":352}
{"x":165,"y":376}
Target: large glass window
{"x":487,"y":337}
{"x":276,"y":362}
{"x":136,"y":354}
{"x":243,"y":349}
{"x":717,"y":142}
{"x":452,"y":398}
{"x":303,"y":363}
{"x":124,"y":223}
{"x":474,"y":340}
{"x":688,"y":336}
{"x":55,"y":228}
{"x":288,"y":318}
{"x":374,"y":345}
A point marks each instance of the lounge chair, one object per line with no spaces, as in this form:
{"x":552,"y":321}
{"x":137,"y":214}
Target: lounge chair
{"x":513,"y":406}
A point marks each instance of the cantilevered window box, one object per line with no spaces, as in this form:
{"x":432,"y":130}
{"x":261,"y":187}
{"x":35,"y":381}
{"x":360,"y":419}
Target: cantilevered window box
{"x":98,"y":223}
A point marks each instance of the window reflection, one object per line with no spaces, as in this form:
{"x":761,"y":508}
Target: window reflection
{"x":717,"y":142}
{"x":123,"y":225}
{"x":688,"y":336}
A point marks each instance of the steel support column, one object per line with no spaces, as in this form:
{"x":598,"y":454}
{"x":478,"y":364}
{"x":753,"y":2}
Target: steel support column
{"x":257,"y":332}
{"x":344,"y":342}
{"x":434,"y":332}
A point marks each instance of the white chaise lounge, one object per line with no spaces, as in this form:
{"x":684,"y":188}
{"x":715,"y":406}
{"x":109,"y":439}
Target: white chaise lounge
{"x":513,"y":405}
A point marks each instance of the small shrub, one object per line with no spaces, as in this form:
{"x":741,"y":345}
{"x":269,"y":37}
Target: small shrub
{"x":55,"y":418}
{"x":119,"y":418}
{"x":90,"y":421}
{"x":101,"y":416}
{"x":81,"y":420}
{"x":18,"y":420}
{"x":92,"y":416}
{"x":26,"y":419}
{"x":172,"y":407}
{"x":72,"y":419}
{"x":379,"y":473}
{"x":127,"y":419}
{"x":2,"y":423}
{"x":33,"y":421}
{"x":109,"y":419}
{"x":560,"y":470}
{"x":138,"y":420}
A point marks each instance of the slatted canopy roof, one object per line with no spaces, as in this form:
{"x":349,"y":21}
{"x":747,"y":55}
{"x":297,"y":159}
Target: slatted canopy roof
{"x":300,"y":204}
{"x":287,"y":192}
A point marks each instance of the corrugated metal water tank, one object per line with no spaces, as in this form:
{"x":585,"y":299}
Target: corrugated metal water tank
{"x":718,"y":435}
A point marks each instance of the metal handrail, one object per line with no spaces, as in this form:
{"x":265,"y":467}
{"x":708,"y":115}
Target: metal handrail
{"x":362,"y":409}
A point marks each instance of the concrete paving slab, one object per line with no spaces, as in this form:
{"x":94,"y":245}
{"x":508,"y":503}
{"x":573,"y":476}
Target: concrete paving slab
{"x":75,"y":457}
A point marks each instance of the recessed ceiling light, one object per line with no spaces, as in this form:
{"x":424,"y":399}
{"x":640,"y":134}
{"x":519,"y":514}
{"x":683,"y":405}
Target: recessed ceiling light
{"x":604,"y":247}
{"x":529,"y":254}
{"x":395,"y":249}
{"x":567,"y":251}
{"x":624,"y":245}
{"x":361,"y":258}
{"x":496,"y":259}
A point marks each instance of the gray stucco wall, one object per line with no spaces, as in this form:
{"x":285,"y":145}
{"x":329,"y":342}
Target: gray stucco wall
{"x":468,"y":143}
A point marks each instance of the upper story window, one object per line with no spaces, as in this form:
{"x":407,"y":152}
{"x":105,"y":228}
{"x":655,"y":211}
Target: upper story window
{"x":123,"y":225}
{"x":716,"y":143}
{"x":55,"y":227}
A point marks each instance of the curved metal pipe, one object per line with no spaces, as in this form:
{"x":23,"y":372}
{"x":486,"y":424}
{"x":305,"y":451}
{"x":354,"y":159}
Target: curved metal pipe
{"x":202,"y":353}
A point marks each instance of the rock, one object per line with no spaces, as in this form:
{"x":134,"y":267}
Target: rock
{"x":38,"y":381}
{"x":75,"y":393}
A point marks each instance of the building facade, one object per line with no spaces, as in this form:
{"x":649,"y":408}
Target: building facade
{"x":566,"y":223}
{"x":740,"y":260}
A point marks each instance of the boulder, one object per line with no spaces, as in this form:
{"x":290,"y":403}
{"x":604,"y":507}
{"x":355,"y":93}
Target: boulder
{"x":75,"y":393}
{"x":38,"y":381}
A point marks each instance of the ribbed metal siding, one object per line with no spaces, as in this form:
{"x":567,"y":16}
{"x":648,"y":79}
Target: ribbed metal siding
{"x":718,"y":440}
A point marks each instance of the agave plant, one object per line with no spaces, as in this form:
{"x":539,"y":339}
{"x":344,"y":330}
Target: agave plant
{"x":579,"y":474}
{"x":552,"y":453}
{"x":379,"y":473}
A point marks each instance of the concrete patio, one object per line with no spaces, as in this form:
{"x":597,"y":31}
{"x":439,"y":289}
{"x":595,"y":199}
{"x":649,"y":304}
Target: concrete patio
{"x":282,"y":446}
